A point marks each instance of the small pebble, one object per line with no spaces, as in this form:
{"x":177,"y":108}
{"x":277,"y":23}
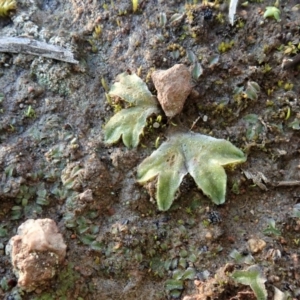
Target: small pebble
{"x":156,"y":125}
{"x":208,"y":236}
{"x":256,"y":245}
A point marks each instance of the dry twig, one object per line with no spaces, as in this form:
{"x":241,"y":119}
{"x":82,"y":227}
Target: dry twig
{"x":30,"y":46}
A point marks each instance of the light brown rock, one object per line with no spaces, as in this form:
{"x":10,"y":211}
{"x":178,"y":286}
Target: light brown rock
{"x":173,"y":87}
{"x":36,"y":252}
{"x":256,"y":245}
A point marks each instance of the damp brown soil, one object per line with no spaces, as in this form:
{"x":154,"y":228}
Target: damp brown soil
{"x":51,"y":147}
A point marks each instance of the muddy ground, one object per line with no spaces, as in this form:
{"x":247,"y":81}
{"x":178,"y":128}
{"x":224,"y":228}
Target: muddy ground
{"x":51,"y":148}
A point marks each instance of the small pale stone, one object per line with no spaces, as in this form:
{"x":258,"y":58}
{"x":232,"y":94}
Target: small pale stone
{"x":208,"y":236}
{"x":173,"y":87}
{"x":86,"y":196}
{"x":36,"y":252}
{"x":256,"y":245}
{"x":156,"y":125}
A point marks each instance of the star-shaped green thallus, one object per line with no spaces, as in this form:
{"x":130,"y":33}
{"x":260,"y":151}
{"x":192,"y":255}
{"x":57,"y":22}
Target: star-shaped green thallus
{"x":203,"y":157}
{"x":272,"y":11}
{"x":253,"y":277}
{"x":129,"y":123}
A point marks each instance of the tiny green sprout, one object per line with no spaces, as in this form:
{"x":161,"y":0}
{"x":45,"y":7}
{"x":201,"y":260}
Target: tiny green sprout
{"x":118,"y":22}
{"x":12,"y":128}
{"x":162,"y":19}
{"x":252,"y":90}
{"x":104,"y":84}
{"x":206,"y":223}
{"x":295,"y":125}
{"x":288,"y":113}
{"x":290,"y":48}
{"x":272,"y":11}
{"x":235,"y":188}
{"x":236,"y":218}
{"x":157,"y":142}
{"x":108,"y":99}
{"x":159,"y":118}
{"x":97,"y":31}
{"x":9,"y":170}
{"x":30,"y":113}
{"x":139,"y":71}
{"x":280,"y":48}
{"x":4,"y":284}
{"x":266,"y":68}
{"x":240,"y":24}
{"x":189,"y":210}
{"x":280,"y":83}
{"x":271,"y":229}
{"x":266,"y":49}
{"x":135,"y":5}
{"x":122,"y":12}
{"x":220,"y":18}
{"x":240,"y":258}
{"x":288,"y":86}
{"x":296,"y":241}
{"x":197,"y":71}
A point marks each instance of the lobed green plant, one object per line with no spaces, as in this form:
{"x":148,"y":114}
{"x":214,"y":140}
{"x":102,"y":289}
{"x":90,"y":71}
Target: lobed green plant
{"x":253,"y":277}
{"x":175,"y":285}
{"x":251,"y":91}
{"x":239,"y":258}
{"x":203,"y":157}
{"x":272,"y":12}
{"x":271,"y":229}
{"x":254,"y":127}
{"x":130,"y":122}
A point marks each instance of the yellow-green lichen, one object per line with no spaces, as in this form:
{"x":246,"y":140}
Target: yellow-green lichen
{"x":224,"y":47}
{"x":176,"y":50}
{"x":6,"y":6}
